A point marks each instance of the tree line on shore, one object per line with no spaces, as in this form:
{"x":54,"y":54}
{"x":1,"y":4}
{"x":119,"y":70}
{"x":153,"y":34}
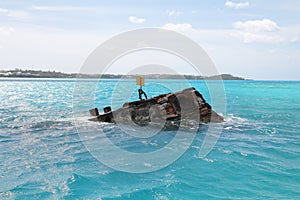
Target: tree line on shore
{"x":18,"y":73}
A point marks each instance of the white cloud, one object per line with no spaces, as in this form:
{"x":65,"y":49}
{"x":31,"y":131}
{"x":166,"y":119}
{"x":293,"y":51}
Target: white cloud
{"x":260,"y":31}
{"x":3,"y":10}
{"x":57,"y":8}
{"x":5,"y":33}
{"x":171,"y":13}
{"x":15,"y":13}
{"x":6,"y":30}
{"x":136,"y":20}
{"x":178,"y":27}
{"x":18,"y":14}
{"x":259,"y":38}
{"x":231,"y":4}
{"x":47,"y":48}
{"x":256,"y":26}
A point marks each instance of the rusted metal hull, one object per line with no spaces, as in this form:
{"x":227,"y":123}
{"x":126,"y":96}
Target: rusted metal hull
{"x":170,"y":108}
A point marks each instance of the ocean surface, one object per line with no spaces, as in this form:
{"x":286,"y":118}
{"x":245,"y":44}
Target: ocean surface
{"x":42,"y":155}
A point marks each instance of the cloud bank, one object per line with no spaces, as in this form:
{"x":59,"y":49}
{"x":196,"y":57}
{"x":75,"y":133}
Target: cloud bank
{"x":178,"y":27}
{"x":231,"y":4}
{"x":136,"y":20}
{"x":172,"y":13}
{"x":258,"y":31}
{"x":21,"y":14}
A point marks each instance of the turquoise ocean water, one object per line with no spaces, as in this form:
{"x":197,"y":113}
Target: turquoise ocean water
{"x":42,"y":156}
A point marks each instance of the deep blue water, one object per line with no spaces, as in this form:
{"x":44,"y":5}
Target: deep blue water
{"x":42,"y":156}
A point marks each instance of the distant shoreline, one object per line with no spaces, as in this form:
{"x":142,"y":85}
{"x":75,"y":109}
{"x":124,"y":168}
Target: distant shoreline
{"x":18,"y":73}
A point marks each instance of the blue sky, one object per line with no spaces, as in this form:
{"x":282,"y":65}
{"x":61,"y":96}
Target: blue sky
{"x":257,"y":39}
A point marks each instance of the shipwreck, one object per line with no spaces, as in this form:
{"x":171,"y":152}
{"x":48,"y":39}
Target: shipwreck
{"x":168,"y":108}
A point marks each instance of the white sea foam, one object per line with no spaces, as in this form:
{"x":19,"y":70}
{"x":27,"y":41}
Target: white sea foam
{"x":207,"y":160}
{"x":235,"y":119}
{"x":243,"y":154}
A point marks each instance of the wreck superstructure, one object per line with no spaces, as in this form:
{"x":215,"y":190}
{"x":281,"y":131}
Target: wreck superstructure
{"x":171,"y":107}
